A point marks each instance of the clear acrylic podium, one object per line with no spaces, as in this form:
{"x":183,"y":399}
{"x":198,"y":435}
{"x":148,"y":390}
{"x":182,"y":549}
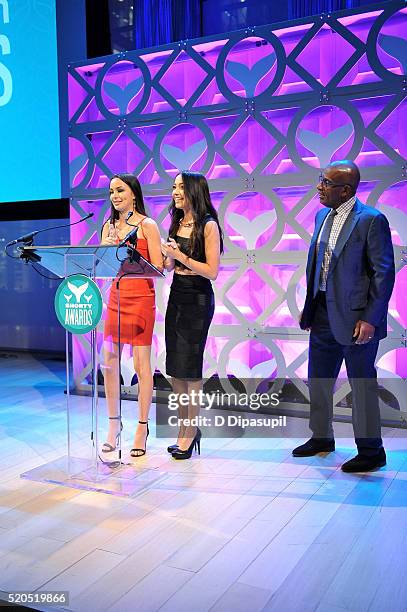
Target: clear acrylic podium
{"x":84,"y":466}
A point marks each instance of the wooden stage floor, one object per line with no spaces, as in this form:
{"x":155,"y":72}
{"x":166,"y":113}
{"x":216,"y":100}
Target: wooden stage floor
{"x":245,"y":527}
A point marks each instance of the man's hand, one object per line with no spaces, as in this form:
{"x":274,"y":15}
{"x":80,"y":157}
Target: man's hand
{"x":299,"y":320}
{"x":363,"y":332}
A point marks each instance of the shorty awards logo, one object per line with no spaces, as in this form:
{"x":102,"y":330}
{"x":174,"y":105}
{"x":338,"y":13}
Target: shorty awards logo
{"x":78,"y":304}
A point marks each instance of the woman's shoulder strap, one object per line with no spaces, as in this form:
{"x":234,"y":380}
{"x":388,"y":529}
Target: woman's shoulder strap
{"x":141,"y":221}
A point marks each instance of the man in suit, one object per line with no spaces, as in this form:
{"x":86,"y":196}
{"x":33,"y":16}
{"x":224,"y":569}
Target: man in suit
{"x":350,"y":278}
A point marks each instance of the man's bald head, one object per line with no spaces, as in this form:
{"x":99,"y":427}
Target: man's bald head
{"x":345,"y":171}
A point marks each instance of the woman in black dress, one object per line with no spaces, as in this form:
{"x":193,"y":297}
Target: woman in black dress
{"x":193,"y":252}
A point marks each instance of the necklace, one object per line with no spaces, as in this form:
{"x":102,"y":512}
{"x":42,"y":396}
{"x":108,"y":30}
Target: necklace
{"x":182,"y":224}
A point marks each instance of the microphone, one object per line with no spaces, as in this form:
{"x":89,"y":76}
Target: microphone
{"x":132,"y":236}
{"x":29,"y":237}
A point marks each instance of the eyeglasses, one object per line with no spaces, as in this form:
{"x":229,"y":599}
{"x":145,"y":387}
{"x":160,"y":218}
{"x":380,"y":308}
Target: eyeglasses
{"x":327,"y":183}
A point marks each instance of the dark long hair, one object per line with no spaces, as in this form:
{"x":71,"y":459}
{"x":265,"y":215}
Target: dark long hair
{"x":197,"y":194}
{"x":134,"y":184}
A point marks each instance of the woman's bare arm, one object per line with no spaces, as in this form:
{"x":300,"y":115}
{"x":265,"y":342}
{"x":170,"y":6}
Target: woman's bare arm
{"x":150,"y":230}
{"x":210,"y":268}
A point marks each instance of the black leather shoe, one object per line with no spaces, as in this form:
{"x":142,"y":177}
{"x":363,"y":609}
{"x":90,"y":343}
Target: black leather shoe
{"x":363,"y":463}
{"x":314,"y":446}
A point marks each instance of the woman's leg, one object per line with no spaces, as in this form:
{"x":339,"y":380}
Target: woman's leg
{"x":180,"y":386}
{"x":142,"y":366}
{"x":112,"y":389}
{"x":193,"y":409}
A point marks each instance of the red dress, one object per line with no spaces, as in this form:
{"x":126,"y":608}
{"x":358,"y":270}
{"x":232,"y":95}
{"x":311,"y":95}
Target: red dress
{"x":137,"y":307}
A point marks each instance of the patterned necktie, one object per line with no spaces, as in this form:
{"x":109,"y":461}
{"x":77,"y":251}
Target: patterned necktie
{"x":323,"y":243}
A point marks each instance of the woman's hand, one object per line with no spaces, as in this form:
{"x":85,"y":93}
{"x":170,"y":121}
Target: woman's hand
{"x":168,"y":259}
{"x":174,"y":252}
{"x":166,"y":250}
{"x":112,"y":235}
{"x":109,"y":234}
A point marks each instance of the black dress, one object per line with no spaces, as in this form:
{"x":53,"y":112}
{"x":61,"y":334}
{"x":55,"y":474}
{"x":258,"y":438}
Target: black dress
{"x":189,"y":314}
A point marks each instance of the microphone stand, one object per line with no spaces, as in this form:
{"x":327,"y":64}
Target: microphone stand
{"x":28,"y":240}
{"x":131,"y":237}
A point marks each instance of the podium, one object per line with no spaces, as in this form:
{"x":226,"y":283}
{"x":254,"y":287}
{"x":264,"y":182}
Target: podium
{"x":84,"y":466}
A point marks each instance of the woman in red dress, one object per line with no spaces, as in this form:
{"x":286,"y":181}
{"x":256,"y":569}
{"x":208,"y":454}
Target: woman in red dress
{"x":137,"y":309}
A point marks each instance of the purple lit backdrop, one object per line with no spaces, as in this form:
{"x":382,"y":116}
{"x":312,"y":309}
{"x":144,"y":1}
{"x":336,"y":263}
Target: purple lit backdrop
{"x":258,"y":112}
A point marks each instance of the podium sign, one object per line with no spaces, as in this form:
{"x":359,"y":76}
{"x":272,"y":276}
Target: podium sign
{"x":78,"y":304}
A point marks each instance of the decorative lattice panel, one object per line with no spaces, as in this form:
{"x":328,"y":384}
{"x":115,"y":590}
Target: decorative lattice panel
{"x":259,"y":112}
